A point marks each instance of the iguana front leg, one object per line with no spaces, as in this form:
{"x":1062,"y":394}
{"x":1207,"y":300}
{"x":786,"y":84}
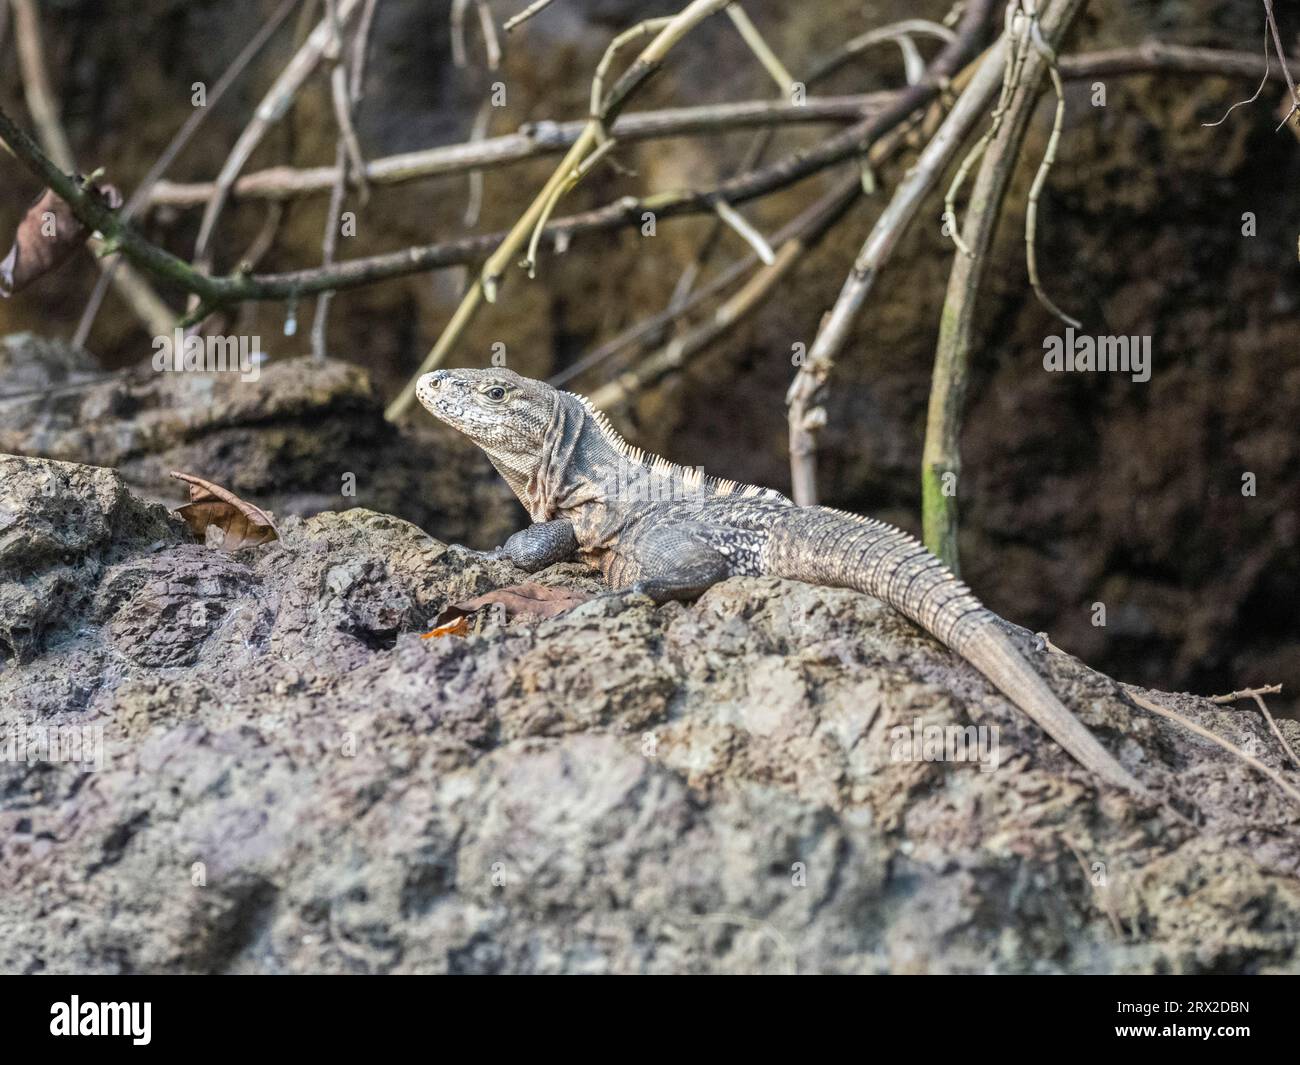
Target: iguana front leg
{"x":668,"y":562}
{"x":540,"y":545}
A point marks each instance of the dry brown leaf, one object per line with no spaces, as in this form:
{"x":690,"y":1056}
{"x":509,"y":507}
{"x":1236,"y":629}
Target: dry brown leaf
{"x":517,"y":600}
{"x":47,"y":236}
{"x":244,"y":525}
{"x":456,"y":627}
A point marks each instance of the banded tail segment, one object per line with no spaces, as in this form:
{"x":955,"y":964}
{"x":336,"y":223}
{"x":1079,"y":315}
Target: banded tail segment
{"x":830,"y":547}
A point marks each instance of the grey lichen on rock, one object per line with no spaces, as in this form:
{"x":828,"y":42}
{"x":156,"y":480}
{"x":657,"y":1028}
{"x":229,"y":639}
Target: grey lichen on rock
{"x":294,"y":781}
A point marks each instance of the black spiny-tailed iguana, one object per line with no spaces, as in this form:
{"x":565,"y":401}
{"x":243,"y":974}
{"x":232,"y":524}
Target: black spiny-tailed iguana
{"x":670,"y":532}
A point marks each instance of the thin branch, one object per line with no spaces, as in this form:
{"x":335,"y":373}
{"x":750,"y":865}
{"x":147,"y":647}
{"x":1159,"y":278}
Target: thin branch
{"x":761,"y":49}
{"x":545,"y":138}
{"x":795,"y":239}
{"x":361,"y":50}
{"x":530,"y":142}
{"x":36,"y":84}
{"x":329,"y":246}
{"x":459,"y":53}
{"x":1255,"y":95}
{"x":1281,"y":55}
{"x":751,"y":236}
{"x":478,"y":133}
{"x":182,"y":137}
{"x":1246,"y":693}
{"x":941,"y":456}
{"x":805,"y":414}
{"x":271,"y":109}
{"x":878,"y":113}
{"x":343,"y":100}
{"x":535,"y":8}
{"x":485,"y":285}
{"x":906,"y":28}
{"x":491,"y":42}
{"x":1048,"y":55}
{"x":1205,"y":733}
{"x":1263,"y":709}
{"x":147,"y":305}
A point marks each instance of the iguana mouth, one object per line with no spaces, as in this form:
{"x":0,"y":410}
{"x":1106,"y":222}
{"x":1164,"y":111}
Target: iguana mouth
{"x":436,"y":397}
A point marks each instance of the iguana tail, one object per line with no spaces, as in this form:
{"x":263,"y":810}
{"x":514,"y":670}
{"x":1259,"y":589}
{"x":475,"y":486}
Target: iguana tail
{"x":840,"y":550}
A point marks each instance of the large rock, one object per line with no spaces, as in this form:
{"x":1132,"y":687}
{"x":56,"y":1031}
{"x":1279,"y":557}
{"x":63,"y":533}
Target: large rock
{"x":303,"y":436}
{"x":292,"y":780}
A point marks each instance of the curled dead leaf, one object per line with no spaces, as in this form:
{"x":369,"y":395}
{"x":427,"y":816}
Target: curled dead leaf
{"x":517,"y":600}
{"x":210,"y":505}
{"x":47,"y":236}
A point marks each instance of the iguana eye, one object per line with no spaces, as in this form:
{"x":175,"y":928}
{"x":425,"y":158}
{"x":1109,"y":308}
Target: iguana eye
{"x":496,"y":393}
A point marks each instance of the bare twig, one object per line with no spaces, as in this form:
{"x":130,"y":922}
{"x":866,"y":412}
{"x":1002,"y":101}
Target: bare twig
{"x":147,"y":305}
{"x":905,"y":29}
{"x":535,"y":8}
{"x":530,"y":142}
{"x":344,"y":101}
{"x":1255,"y":95}
{"x":1205,"y":733}
{"x":761,"y":49}
{"x":329,"y":246}
{"x":798,"y":237}
{"x":459,"y":53}
{"x":1257,"y":695}
{"x":140,"y":197}
{"x":484,"y":287}
{"x":348,"y":158}
{"x":1281,"y":55}
{"x":1048,"y":55}
{"x":805,"y":414}
{"x":1263,"y":709}
{"x":751,"y":236}
{"x":941,"y":457}
{"x":1247,"y":693}
{"x":491,"y":42}
{"x":271,"y":109}
{"x":360,"y":51}
{"x":477,"y":135}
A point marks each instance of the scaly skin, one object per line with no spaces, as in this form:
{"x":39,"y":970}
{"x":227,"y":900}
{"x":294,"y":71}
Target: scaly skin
{"x":669,"y":532}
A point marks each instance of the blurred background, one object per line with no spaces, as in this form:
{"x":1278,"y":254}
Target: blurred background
{"x":1077,"y":489}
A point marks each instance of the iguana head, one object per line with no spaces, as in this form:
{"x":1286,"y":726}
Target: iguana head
{"x":505,"y":414}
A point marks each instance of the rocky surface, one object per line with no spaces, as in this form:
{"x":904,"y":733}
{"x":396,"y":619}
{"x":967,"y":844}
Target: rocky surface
{"x":1075,"y":490}
{"x":302,"y":437}
{"x":292,"y":780}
